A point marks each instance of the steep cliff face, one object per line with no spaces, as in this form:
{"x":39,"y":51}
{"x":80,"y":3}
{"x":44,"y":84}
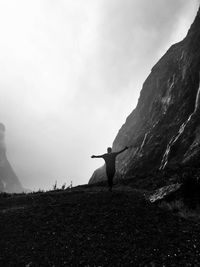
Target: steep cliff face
{"x":8,"y":179}
{"x":164,"y":129}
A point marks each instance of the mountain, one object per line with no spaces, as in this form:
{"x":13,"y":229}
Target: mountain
{"x":163,"y":131}
{"x":8,"y":179}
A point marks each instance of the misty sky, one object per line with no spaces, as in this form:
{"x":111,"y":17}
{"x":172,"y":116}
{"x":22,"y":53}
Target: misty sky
{"x":71,"y":72}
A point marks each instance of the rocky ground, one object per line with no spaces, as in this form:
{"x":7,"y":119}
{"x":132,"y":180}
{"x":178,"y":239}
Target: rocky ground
{"x":89,"y":226}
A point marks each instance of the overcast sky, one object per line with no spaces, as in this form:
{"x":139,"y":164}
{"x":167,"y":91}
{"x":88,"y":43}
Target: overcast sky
{"x":71,"y":72}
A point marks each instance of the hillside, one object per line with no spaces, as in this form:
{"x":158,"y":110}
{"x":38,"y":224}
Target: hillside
{"x":89,"y":226}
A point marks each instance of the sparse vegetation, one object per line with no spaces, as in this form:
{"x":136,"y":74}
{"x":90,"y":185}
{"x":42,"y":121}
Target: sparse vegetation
{"x":63,"y":186}
{"x":178,"y":207}
{"x":55,"y":186}
{"x":88,"y":226}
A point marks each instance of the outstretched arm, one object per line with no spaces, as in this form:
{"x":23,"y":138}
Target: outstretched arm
{"x":122,"y":150}
{"x":93,"y":156}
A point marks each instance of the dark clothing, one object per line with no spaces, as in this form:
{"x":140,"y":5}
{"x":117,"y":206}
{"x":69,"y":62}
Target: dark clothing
{"x":110,"y":159}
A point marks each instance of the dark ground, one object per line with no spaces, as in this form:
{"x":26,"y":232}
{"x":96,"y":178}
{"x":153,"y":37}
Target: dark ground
{"x":92,"y":227}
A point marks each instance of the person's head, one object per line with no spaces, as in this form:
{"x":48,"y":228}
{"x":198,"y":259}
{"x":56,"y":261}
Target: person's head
{"x":109,"y":149}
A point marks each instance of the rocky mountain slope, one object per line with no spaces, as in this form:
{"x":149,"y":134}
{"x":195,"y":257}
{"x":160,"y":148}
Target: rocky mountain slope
{"x":164,"y":129}
{"x":8,"y":179}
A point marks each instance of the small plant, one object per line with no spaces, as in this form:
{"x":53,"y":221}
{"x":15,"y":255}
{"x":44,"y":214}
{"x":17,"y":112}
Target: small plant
{"x":63,"y":186}
{"x":55,"y":186}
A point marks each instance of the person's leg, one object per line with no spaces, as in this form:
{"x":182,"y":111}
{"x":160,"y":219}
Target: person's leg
{"x":110,"y":176}
{"x":110,"y":183}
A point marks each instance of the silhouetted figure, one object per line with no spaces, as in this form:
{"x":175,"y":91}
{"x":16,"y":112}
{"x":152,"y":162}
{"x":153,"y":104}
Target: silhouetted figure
{"x":110,"y":159}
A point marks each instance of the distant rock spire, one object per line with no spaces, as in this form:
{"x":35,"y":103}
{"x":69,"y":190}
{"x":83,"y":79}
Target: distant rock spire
{"x":8,"y":179}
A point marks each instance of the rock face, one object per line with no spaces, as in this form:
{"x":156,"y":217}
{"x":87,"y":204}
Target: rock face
{"x":8,"y":179}
{"x":164,"y":192}
{"x":164,"y":129}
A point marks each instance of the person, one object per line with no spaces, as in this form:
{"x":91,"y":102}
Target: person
{"x":110,"y":160}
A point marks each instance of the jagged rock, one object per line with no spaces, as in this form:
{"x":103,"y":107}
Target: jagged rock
{"x":8,"y":179}
{"x":164,"y":192}
{"x":164,"y":129}
{"x":99,"y":174}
